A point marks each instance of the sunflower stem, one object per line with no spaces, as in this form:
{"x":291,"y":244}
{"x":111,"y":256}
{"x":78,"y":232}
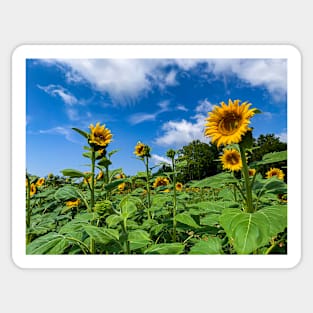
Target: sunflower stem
{"x":245,"y":171}
{"x":28,"y":209}
{"x":92,"y":193}
{"x":174,"y":200}
{"x":146,"y":161}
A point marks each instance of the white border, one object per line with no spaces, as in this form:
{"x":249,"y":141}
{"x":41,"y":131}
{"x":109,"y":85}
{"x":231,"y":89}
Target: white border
{"x":195,"y":51}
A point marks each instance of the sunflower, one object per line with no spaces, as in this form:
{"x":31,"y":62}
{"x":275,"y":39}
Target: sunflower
{"x":228,"y":123}
{"x":100,"y":135}
{"x":100,"y":175}
{"x":121,"y":186}
{"x":88,"y":179}
{"x":32,"y":189}
{"x":252,"y":171}
{"x":40,"y":182}
{"x":71,"y":204}
{"x":120,"y":176}
{"x":231,"y":160}
{"x":160,"y":181}
{"x":179,"y":186}
{"x":142,"y":150}
{"x":275,"y":172}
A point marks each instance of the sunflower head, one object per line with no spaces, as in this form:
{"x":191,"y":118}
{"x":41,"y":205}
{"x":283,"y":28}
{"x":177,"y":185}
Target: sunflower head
{"x":121,"y":186}
{"x":252,"y":171}
{"x":71,"y":204}
{"x":179,"y":186}
{"x":231,"y":160}
{"x":100,"y":175}
{"x":275,"y":172}
{"x":40,"y":182}
{"x":142,"y":150}
{"x":160,"y":181}
{"x":120,"y":176}
{"x":32,"y":189}
{"x":226,"y":124}
{"x":99,"y":135}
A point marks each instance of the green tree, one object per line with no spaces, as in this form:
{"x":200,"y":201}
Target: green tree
{"x":201,"y":161}
{"x":266,"y":144}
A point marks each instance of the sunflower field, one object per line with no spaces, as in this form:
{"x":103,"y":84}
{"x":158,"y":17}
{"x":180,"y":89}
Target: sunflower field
{"x":106,"y":211}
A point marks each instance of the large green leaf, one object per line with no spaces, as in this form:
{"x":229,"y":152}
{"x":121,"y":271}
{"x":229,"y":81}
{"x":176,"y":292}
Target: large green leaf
{"x":69,"y":192}
{"x":128,"y":207}
{"x":250,"y":231}
{"x":165,"y":248}
{"x":138,"y":239}
{"x":72,"y":173}
{"x":43,"y":244}
{"x":186,"y":219}
{"x":100,"y":234}
{"x":211,"y":219}
{"x":215,"y":181}
{"x":213,"y":245}
{"x":273,"y":157}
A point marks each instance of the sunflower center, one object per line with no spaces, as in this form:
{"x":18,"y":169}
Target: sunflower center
{"x":229,"y":124}
{"x":232,"y":159}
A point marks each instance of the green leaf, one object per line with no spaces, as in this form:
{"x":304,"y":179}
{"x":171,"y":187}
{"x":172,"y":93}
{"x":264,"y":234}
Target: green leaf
{"x":250,"y":231}
{"x":69,"y":192}
{"x":100,"y":234}
{"x":113,"y":184}
{"x":138,"y":239}
{"x":60,"y":247}
{"x":212,"y":219}
{"x":43,"y":244}
{"x":81,"y":132}
{"x":72,"y":173}
{"x":215,"y":181}
{"x":128,"y":207}
{"x":212,"y":246}
{"x":273,"y":157}
{"x":113,"y":220}
{"x":165,"y":248}
{"x":186,"y":219}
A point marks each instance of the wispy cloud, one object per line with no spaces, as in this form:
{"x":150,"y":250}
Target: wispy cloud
{"x":67,"y":132}
{"x":57,"y":90}
{"x":181,"y":108}
{"x":204,"y":106}
{"x":141,"y":117}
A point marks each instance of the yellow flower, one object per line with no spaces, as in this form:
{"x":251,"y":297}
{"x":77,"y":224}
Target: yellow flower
{"x":71,"y":204}
{"x":100,"y":175}
{"x":26,"y":182}
{"x":228,"y":123}
{"x":179,"y":186}
{"x":166,"y":190}
{"x":275,"y":172}
{"x":231,"y":160}
{"x":32,"y":189}
{"x":252,"y":171}
{"x":120,"y":176}
{"x":160,"y":181}
{"x":40,"y":182}
{"x":100,"y":135}
{"x":142,"y":150}
{"x":121,"y":186}
{"x":87,"y":180}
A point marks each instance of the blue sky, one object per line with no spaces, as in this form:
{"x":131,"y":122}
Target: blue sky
{"x":161,"y":102}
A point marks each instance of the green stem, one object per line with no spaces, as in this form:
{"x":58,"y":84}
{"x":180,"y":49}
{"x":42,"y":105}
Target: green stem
{"x":28,"y":209}
{"x":245,"y":172}
{"x":148,"y":186}
{"x":79,"y":242}
{"x":92,"y":193}
{"x":174,"y":201}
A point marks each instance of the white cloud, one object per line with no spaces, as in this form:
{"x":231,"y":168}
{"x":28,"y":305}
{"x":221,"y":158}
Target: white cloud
{"x":141,"y":117}
{"x":204,"y":106}
{"x":178,"y":133}
{"x":181,"y":108}
{"x":282,"y":136}
{"x":57,"y":90}
{"x":59,"y":130}
{"x":269,"y":73}
{"x":158,"y":159}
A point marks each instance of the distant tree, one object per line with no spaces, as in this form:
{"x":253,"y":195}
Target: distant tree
{"x":266,"y":144}
{"x":200,"y":161}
